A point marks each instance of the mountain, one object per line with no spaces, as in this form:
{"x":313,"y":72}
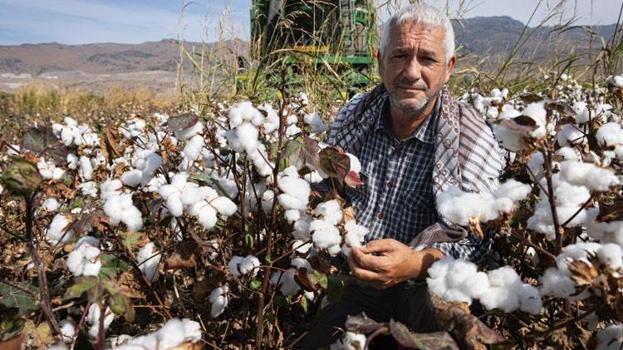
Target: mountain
{"x":481,"y":41}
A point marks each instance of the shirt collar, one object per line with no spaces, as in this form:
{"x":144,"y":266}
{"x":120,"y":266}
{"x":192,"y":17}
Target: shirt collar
{"x":424,"y":133}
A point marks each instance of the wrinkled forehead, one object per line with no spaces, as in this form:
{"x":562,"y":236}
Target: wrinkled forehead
{"x":416,"y":33}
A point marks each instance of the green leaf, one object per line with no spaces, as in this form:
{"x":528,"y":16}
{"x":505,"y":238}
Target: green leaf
{"x":41,"y":140}
{"x":304,"y":304}
{"x":121,"y":305}
{"x":12,"y":297}
{"x":255,"y":284}
{"x":334,"y":162}
{"x":111,"y":266}
{"x":318,"y":278}
{"x":130,"y":239}
{"x":11,"y":324}
{"x":81,"y":286}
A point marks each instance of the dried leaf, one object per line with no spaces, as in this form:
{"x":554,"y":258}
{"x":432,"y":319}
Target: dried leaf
{"x":423,"y":341}
{"x":109,"y":146}
{"x":611,"y":211}
{"x":183,"y":257}
{"x":15,"y":343}
{"x":182,"y":122}
{"x":363,"y":324}
{"x":561,"y":107}
{"x":582,"y":272}
{"x":531,"y":98}
{"x":42,"y":142}
{"x":334,"y":162}
{"x":352,"y":180}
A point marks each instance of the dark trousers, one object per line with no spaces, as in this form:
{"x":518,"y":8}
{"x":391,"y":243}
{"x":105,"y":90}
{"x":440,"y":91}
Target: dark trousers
{"x":406,"y":303}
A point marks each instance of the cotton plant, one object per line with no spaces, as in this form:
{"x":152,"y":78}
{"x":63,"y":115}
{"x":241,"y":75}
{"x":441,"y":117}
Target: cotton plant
{"x":119,"y":207}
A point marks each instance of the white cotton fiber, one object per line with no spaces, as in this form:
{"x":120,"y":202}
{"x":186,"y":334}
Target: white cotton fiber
{"x":219,"y":300}
{"x":224,"y":206}
{"x":330,"y":211}
{"x":609,"y":134}
{"x":148,"y":259}
{"x":59,"y":231}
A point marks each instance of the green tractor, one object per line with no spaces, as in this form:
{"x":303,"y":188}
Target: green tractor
{"x":338,"y":35}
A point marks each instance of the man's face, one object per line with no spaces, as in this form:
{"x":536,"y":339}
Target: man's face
{"x":413,"y":66}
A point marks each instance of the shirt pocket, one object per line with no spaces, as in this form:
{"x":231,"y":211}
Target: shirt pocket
{"x":417,"y":210}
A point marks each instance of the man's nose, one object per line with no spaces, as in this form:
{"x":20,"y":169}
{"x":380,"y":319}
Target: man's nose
{"x":413,"y":70}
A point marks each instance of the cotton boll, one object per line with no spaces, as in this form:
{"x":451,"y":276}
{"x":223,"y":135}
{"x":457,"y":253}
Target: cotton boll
{"x":610,"y":338}
{"x":292,"y":215}
{"x":286,"y":282}
{"x":84,"y":259}
{"x":302,"y":228}
{"x":191,"y":194}
{"x":609,"y":134}
{"x":171,"y":334}
{"x":249,"y":265}
{"x":535,"y":165}
{"x":456,"y":295}
{"x":50,"y":204}
{"x":86,"y":169}
{"x":247,"y":135}
{"x":504,"y":277}
{"x":59,"y":231}
{"x":355,"y":236}
{"x":330,"y":211}
{"x":459,"y":271}
{"x":224,"y":206}
{"x":290,"y":202}
{"x":568,"y":195}
{"x":132,"y":177}
{"x":569,"y":135}
{"x":350,"y":341}
{"x":529,"y":299}
{"x":554,"y":283}
{"x":148,"y":259}
{"x":589,"y":175}
{"x":567,"y":153}
{"x":315,"y":122}
{"x":267,"y":200}
{"x":324,"y":234}
{"x":610,"y":254}
{"x":513,"y":190}
{"x":292,"y":130}
{"x":438,"y":286}
{"x":219,"y":300}
{"x":189,"y":132}
{"x":68,"y":330}
{"x":582,"y":114}
{"x":205,"y":213}
{"x":475,"y":285}
{"x":502,"y":298}
{"x":110,"y":187}
{"x":193,"y":147}
{"x":439,"y":269}
{"x":93,"y":319}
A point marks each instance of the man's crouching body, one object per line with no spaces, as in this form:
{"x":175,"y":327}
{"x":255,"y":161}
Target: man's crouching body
{"x":413,"y":141}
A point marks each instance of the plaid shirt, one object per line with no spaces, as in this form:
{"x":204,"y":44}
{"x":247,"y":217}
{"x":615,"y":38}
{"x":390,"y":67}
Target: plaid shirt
{"x":401,"y":178}
{"x":396,"y":200}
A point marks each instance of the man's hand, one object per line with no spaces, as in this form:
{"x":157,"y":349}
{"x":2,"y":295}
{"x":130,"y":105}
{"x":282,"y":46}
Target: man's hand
{"x":386,"y":262}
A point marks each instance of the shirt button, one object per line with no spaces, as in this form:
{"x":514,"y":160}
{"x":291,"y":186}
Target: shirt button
{"x":380,"y":216}
{"x":390,"y":183}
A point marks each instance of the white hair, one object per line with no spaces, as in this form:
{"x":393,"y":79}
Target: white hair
{"x":425,"y":14}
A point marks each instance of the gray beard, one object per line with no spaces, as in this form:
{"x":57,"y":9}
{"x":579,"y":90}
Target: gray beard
{"x":410,"y":111}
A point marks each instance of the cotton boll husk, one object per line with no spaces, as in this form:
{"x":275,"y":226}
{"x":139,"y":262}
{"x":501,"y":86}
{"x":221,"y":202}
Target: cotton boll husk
{"x":554,"y":283}
{"x":569,"y":134}
{"x":610,"y":254}
{"x":56,"y":232}
{"x":148,"y":259}
{"x":577,"y":251}
{"x":503,"y":298}
{"x":610,"y":338}
{"x":609,"y":134}
{"x":529,"y":299}
{"x":224,"y":206}
{"x":132,"y":177}
{"x":330,"y":211}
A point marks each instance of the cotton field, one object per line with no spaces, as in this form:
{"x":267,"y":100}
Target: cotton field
{"x":222,"y":228}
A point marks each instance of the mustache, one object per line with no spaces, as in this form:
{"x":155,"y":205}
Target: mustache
{"x":404,"y":83}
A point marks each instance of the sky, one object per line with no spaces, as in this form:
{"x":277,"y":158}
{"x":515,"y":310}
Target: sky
{"x":136,"y":21}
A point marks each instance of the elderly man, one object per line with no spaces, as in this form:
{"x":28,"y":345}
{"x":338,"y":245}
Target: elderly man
{"x":414,"y":141}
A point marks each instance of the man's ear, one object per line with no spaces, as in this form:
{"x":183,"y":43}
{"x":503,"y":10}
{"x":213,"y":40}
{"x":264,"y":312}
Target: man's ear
{"x":450,"y":68}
